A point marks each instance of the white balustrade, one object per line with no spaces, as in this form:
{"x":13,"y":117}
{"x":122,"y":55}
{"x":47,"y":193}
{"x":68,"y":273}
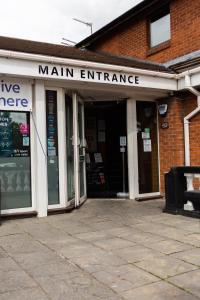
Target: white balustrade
{"x":3,"y":188}
{"x":190,"y":187}
{"x":15,"y":181}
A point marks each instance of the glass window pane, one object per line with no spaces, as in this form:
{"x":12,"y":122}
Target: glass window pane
{"x":160,"y":30}
{"x":52,"y":148}
{"x":15,"y":163}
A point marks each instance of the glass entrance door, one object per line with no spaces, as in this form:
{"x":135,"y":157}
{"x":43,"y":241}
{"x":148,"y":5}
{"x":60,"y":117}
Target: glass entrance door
{"x":75,"y":139}
{"x":82,"y":145}
{"x":79,"y":145}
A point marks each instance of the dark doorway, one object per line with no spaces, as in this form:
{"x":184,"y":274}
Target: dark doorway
{"x":105,"y":123}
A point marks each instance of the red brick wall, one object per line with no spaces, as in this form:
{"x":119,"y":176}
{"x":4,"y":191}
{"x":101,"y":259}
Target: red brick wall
{"x":132,"y":38}
{"x":172,"y":139}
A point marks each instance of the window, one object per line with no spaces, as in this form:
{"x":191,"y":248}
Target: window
{"x":52,"y":147}
{"x":160,"y":28}
{"x":15,"y":160}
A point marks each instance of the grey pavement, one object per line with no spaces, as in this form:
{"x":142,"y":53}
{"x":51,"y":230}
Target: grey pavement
{"x":107,"y":249}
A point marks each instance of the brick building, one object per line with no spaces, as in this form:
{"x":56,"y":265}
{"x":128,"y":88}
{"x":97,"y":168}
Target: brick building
{"x":165,"y":32}
{"x":107,"y":120}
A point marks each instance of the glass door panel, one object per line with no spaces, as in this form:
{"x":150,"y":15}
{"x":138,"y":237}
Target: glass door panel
{"x":81,"y":138}
{"x":52,"y":148}
{"x":70,"y":148}
{"x":15,"y":161}
{"x":147,"y":147}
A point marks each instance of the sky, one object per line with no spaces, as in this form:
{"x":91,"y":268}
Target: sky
{"x":52,"y":20}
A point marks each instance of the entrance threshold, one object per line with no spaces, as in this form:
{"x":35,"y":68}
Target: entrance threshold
{"x":108,"y":199}
{"x":122,"y":195}
{"x":150,"y":197}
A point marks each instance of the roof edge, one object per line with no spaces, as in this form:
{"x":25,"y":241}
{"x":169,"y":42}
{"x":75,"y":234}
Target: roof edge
{"x":78,"y":62}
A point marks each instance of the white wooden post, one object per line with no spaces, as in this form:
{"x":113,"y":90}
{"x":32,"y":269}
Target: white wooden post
{"x":41,"y":149}
{"x":62,"y":147}
{"x":76,"y":149}
{"x":190,"y":186}
{"x":132,"y":149}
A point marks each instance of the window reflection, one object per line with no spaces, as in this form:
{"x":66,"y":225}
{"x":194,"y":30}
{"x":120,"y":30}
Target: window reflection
{"x":160,"y":30}
{"x":15,"y":162}
{"x":52,"y":147}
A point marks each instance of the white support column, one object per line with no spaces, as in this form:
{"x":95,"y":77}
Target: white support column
{"x":33,"y":153}
{"x":132,"y":148}
{"x":62,"y":147}
{"x":41,"y":148}
{"x":76,"y":150}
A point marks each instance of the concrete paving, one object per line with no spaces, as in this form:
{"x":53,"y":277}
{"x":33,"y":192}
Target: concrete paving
{"x":107,"y":249}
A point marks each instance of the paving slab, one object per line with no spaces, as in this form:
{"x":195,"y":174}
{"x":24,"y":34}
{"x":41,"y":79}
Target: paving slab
{"x":114,"y":243}
{"x":15,"y":280}
{"x":144,"y":238}
{"x":123,"y":231}
{"x":8,"y":264}
{"x":32,"y":260}
{"x":191,"y":256}
{"x":20,"y":243}
{"x":161,"y":229}
{"x":95,"y":262}
{"x":9,"y":228}
{"x":165,"y":266}
{"x":190,"y":239}
{"x":80,"y":249}
{"x":26,"y":293}
{"x":188,"y":281}
{"x":158,"y":291}
{"x":169,"y":246}
{"x":52,"y":269}
{"x":136,"y":253}
{"x":123,"y":281}
{"x":88,"y":290}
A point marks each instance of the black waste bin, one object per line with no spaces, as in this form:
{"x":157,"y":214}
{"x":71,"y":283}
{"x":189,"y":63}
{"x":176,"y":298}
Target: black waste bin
{"x":175,"y":186}
{"x":176,"y":189}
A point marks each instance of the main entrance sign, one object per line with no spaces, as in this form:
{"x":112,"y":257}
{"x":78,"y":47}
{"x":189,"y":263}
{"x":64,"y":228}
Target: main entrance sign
{"x":15,"y":96}
{"x":89,"y":75}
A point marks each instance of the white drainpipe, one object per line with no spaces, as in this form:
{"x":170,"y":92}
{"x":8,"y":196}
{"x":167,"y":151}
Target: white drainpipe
{"x":189,"y":205}
{"x":188,"y":117}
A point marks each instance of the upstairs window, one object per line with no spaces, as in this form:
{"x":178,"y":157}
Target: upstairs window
{"x":160,"y":28}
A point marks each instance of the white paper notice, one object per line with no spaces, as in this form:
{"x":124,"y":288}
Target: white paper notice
{"x":147,"y":145}
{"x":98,"y":158}
{"x":122,"y":141}
{"x":101,"y":136}
{"x":87,"y":158}
{"x":145,"y":135}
